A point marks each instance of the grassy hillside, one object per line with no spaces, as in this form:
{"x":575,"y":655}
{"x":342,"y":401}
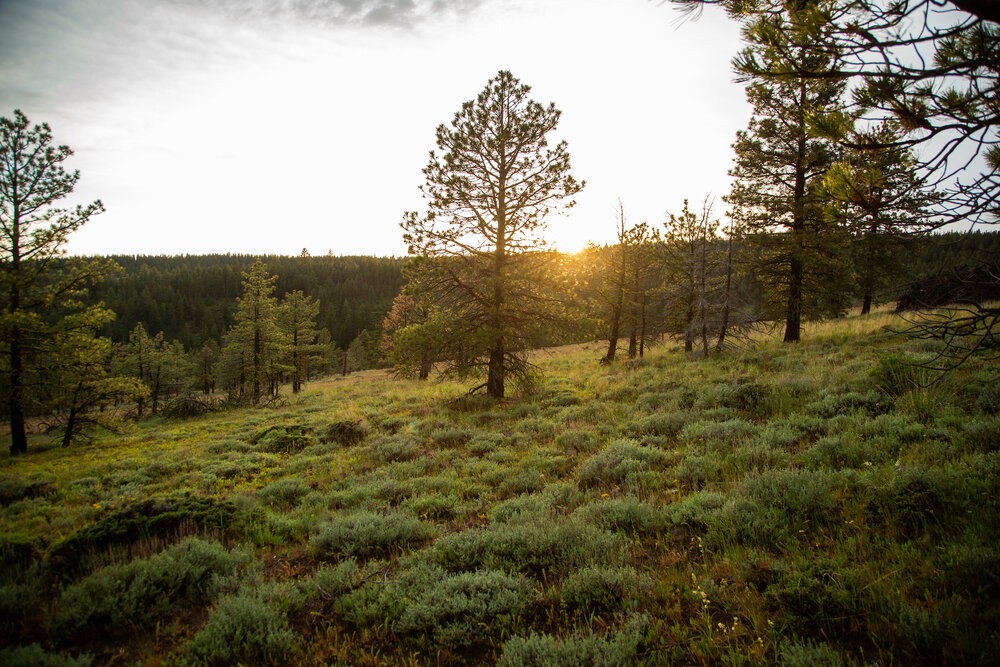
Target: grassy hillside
{"x":809,"y":504}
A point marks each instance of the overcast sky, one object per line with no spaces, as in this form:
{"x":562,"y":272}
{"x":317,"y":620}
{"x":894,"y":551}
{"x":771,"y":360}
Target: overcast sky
{"x":257,"y":126}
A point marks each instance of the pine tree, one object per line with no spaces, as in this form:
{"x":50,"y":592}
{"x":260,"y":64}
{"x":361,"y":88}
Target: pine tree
{"x":780,"y":162}
{"x":38,"y":290}
{"x":488,"y":195}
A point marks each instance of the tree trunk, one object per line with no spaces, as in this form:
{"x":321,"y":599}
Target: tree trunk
{"x":425,"y":366}
{"x":616,"y":318}
{"x":793,"y":315}
{"x":495,"y":373}
{"x":18,"y":432}
{"x":721,"y":343}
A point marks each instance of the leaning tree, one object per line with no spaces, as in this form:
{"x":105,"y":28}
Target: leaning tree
{"x":489,"y":192}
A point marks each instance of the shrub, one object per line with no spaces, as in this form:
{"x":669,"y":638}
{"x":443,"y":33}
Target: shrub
{"x":245,"y":628}
{"x":665,"y":424}
{"x":536,"y":546}
{"x":894,"y":374}
{"x":137,"y":594}
{"x":598,"y":589}
{"x":916,"y":498}
{"x":484,"y":443}
{"x":696,"y":471}
{"x":459,"y":611}
{"x":833,"y":403}
{"x":619,"y":650}
{"x":580,"y":440}
{"x":394,"y":448}
{"x":834,"y":453}
{"x":283,"y":439}
{"x":345,"y":433}
{"x":18,"y":602}
{"x":13,"y":490}
{"x":622,"y":461}
{"x":800,"y":495}
{"x":284,"y":493}
{"x":695,"y":510}
{"x":34,"y":655}
{"x":821,"y":599}
{"x":806,"y":653}
{"x":757,"y":457}
{"x":628,"y":515}
{"x":754,"y":400}
{"x":747,"y":522}
{"x":365,"y":534}
{"x":716,"y":437}
{"x":450,"y":437}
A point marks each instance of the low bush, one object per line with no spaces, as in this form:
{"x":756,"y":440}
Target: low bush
{"x":535,"y":547}
{"x":621,"y":462}
{"x":245,"y":628}
{"x":628,"y":514}
{"x":696,"y":510}
{"x":802,"y":496}
{"x":832,"y":403}
{"x":34,"y":655}
{"x":134,"y":595}
{"x":696,"y":472}
{"x":806,"y":653}
{"x":578,"y":440}
{"x":365,"y":534}
{"x":459,"y":611}
{"x":599,"y":589}
{"x":394,"y":448}
{"x":756,"y":401}
{"x":618,"y":650}
{"x":284,"y":493}
{"x":283,"y":439}
{"x":836,"y":453}
{"x":345,"y":433}
{"x":665,"y":424}
{"x":716,"y":437}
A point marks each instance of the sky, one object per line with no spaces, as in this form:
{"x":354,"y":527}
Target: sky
{"x":273,"y":126}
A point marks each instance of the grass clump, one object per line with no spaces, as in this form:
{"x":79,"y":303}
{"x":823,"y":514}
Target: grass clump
{"x":284,"y":493}
{"x":366,"y":534}
{"x":144,"y":591}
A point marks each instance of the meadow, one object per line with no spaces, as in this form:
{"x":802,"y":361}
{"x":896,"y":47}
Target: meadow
{"x":821,"y":503}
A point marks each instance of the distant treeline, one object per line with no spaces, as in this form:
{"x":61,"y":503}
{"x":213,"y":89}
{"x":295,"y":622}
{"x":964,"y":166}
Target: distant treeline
{"x":192,"y":298}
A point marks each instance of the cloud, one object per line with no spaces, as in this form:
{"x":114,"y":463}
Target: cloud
{"x":332,"y":13}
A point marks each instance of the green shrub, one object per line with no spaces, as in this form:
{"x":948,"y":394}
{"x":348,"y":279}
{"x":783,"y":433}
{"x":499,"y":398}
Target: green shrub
{"x":13,"y":490}
{"x":284,"y":493}
{"x":747,"y":522}
{"x":627,"y":514}
{"x":463,"y":610}
{"x":18,"y":602}
{"x":139,"y":593}
{"x":916,"y":498}
{"x":364,"y":534}
{"x":754,"y":400}
{"x":331,"y":581}
{"x":394,"y":448}
{"x":665,"y":424}
{"x":894,"y":374}
{"x":835,"y":453}
{"x":283,"y":439}
{"x":34,"y":655}
{"x":345,"y":433}
{"x":757,"y":457}
{"x":833,"y":403}
{"x":450,"y":437}
{"x":696,"y":510}
{"x":580,"y":440}
{"x":484,"y":443}
{"x":716,"y":437}
{"x":696,"y":471}
{"x":821,"y":599}
{"x":619,"y":650}
{"x":802,"y":496}
{"x":806,"y":653}
{"x":982,"y":434}
{"x":247,"y":628}
{"x":622,"y":461}
{"x":536,"y":546}
{"x":433,"y":505}
{"x":599,"y":589}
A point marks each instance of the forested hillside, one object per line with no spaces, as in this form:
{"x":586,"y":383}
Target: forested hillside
{"x":192,"y":298}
